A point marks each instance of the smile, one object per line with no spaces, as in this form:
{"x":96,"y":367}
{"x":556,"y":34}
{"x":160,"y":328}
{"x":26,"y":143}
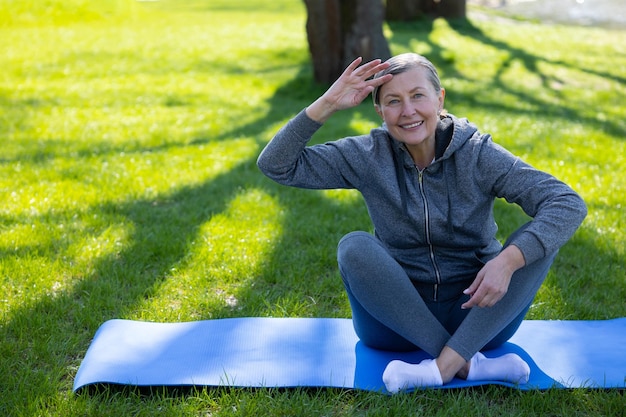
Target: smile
{"x":412,"y":125}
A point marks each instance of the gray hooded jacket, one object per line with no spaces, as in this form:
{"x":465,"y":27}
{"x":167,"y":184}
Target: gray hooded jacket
{"x":438,"y":223}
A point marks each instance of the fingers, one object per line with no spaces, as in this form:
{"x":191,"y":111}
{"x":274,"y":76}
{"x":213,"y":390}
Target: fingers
{"x":484,"y":291}
{"x":472,"y":288}
{"x":471,"y":291}
{"x":484,"y":296}
{"x":354,"y":65}
{"x":350,"y":89}
{"x":367,"y":70}
{"x":478,"y":299}
{"x":472,"y":302}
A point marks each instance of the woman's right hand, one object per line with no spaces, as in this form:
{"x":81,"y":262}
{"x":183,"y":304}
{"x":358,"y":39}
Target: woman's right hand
{"x":350,"y":89}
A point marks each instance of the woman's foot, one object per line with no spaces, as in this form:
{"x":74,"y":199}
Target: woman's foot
{"x":399,"y":376}
{"x":508,"y":368}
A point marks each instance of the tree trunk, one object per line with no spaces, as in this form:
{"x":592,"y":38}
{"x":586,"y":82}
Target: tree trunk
{"x":414,"y":9}
{"x":323,"y":28}
{"x":340,"y":31}
{"x":450,"y":9}
{"x":398,"y":10}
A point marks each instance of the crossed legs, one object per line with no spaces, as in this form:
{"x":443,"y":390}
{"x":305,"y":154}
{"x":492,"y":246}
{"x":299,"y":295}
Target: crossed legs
{"x":389,"y":313}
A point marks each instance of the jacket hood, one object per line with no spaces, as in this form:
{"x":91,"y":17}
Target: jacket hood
{"x":458,"y":130}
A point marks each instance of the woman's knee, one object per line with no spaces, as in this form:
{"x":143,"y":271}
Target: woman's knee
{"x":390,"y":342}
{"x":373,"y":333}
{"x":354,"y":246}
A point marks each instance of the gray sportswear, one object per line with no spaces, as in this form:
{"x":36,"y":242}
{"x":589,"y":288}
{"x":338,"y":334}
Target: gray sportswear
{"x":437,"y":223}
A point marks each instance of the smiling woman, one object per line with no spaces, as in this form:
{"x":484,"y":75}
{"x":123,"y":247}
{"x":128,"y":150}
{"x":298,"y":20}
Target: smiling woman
{"x":128,"y":187}
{"x":433,"y":276}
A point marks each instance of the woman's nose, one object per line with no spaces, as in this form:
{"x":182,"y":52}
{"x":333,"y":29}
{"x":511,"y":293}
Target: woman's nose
{"x":408,"y":109}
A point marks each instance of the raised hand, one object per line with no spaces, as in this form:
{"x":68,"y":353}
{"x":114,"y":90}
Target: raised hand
{"x":350,"y":89}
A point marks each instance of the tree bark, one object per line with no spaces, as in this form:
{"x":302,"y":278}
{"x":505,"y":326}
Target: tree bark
{"x":339,"y":31}
{"x":323,"y":28}
{"x":398,"y":10}
{"x":450,"y":9}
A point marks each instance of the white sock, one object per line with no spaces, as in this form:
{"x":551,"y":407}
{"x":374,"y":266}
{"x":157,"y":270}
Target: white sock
{"x":509,"y":368}
{"x":400,"y":375}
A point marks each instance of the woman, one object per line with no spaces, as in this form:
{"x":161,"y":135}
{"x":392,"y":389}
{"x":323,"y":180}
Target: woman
{"x":433,"y":276}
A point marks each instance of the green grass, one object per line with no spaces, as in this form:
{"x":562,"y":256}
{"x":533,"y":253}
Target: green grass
{"x":128,"y":187}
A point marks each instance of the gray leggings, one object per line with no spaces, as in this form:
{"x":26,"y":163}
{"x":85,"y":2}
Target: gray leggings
{"x":389,"y":313}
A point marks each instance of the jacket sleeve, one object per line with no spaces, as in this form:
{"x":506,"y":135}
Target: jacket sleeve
{"x":289,"y":161}
{"x":556,"y":209}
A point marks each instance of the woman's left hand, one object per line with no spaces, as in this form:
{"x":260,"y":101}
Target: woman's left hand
{"x":492,"y":281}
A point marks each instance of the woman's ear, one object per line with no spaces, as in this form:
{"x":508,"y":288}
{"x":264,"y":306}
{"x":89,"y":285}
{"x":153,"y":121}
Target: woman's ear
{"x":379,"y":111}
{"x":442,"y":97}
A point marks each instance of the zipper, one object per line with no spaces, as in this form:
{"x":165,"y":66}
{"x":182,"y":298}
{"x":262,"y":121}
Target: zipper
{"x":428,"y":241}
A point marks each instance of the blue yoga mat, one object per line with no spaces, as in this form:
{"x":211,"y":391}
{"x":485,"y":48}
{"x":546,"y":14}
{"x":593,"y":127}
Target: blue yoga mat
{"x":325,"y":352}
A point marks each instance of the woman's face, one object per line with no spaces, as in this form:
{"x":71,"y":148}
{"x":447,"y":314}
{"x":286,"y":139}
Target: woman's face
{"x":410,"y":107}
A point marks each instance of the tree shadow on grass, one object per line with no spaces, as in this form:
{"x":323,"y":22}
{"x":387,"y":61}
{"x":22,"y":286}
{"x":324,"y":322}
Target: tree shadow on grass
{"x":44,"y":340}
{"x":553,"y":104}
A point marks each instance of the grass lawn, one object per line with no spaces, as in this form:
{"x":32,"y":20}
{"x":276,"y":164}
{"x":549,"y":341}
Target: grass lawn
{"x":128,"y":187}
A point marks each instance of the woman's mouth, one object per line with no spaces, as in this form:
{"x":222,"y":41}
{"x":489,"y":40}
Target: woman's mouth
{"x":412,"y":125}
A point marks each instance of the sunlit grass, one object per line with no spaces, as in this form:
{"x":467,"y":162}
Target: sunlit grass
{"x":129,"y":189}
